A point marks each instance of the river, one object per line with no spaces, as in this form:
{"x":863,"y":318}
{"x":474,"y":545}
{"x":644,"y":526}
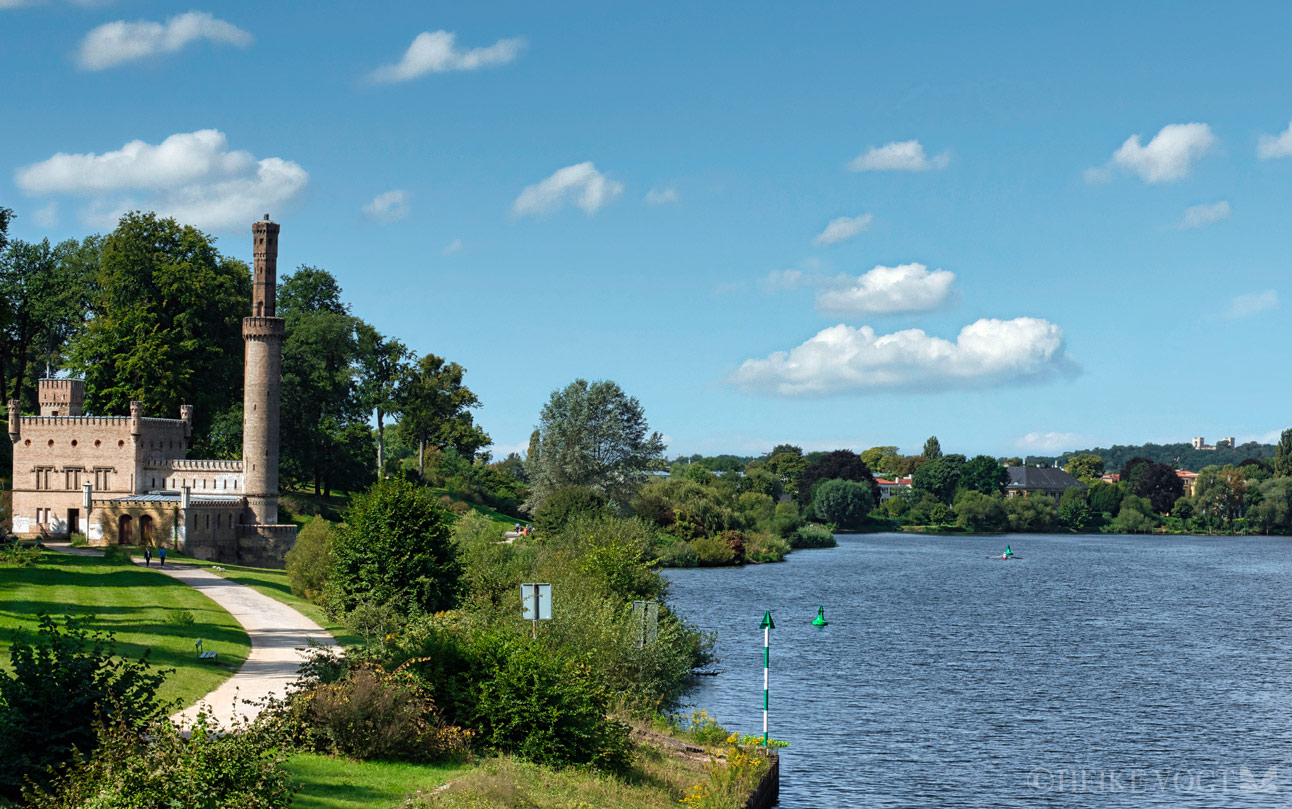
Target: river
{"x":1091,"y":671}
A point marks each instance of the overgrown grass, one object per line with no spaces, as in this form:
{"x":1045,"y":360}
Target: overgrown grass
{"x":270,"y":582}
{"x":137,"y":605}
{"x":336,"y":783}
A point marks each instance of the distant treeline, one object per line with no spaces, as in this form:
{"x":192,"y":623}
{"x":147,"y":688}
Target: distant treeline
{"x":1181,"y":456}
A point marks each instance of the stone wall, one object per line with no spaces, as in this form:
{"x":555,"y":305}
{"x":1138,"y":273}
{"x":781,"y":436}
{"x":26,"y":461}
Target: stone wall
{"x":265,"y":545}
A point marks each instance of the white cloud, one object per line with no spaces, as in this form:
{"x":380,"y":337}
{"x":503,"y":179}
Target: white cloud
{"x":581,"y":184}
{"x":842,"y":359}
{"x":661,"y":196}
{"x":907,"y":155}
{"x":1199,"y":216}
{"x":1169,"y":156}
{"x":192,"y":176}
{"x":1252,"y":303}
{"x":843,"y":229}
{"x":116,"y":43}
{"x":1049,"y":442}
{"x":46,"y":217}
{"x":1272,"y":146}
{"x":452,"y":247}
{"x":437,"y":52}
{"x":390,"y":206}
{"x":889,"y":290}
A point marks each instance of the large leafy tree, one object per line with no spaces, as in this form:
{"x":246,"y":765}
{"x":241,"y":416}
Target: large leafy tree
{"x":841,"y":464}
{"x":844,"y":503}
{"x":165,"y":323}
{"x":395,"y":548}
{"x":1283,"y":455}
{"x":1157,"y":482}
{"x":384,"y":364}
{"x":435,"y":410}
{"x":1085,"y":467}
{"x":787,"y":463}
{"x":982,"y":473}
{"x":325,"y":440}
{"x":932,"y":449}
{"x":939,"y":477}
{"x":592,"y":434}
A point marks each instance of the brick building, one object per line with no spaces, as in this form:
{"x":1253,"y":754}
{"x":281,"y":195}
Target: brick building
{"x":126,"y":479}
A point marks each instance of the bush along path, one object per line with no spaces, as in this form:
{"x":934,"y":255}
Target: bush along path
{"x":279,"y":637}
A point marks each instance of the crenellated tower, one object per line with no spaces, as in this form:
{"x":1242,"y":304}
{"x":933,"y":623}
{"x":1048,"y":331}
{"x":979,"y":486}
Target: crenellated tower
{"x":262,"y":378}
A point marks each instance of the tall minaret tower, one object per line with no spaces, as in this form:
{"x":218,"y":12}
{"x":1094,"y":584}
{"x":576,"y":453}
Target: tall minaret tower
{"x":262,"y":380}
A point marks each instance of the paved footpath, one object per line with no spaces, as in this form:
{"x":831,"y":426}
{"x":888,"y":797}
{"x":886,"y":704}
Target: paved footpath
{"x":279,"y":636}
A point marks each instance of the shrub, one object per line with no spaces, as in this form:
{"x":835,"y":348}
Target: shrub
{"x":118,"y":554}
{"x":394,"y":548}
{"x":1031,"y":514}
{"x":162,"y":768}
{"x":309,"y":558}
{"x":731,"y":779}
{"x":15,"y":555}
{"x":980,"y":512}
{"x":842,"y":502}
{"x":563,"y":505}
{"x":679,"y":554}
{"x":764,"y":547}
{"x":813,"y":535}
{"x":370,"y":714}
{"x":713,"y":552}
{"x":1135,"y":517}
{"x":546,"y":708}
{"x":180,"y":617}
{"x":77,"y":540}
{"x":66,"y":680}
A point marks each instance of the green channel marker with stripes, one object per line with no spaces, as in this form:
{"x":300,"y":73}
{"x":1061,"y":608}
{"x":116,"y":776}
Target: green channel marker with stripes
{"x":767,"y":626}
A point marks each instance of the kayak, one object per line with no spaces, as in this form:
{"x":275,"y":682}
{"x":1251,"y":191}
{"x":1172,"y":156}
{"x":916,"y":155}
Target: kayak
{"x":1005,"y":558}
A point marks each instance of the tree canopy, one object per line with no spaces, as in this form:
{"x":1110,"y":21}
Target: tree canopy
{"x":592,"y":434}
{"x":841,"y":464}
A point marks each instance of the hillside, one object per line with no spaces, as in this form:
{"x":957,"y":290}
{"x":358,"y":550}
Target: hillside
{"x":1181,"y":456}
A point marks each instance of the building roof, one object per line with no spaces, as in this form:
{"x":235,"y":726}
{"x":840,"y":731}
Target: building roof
{"x":166,"y":496}
{"x":1035,"y":477}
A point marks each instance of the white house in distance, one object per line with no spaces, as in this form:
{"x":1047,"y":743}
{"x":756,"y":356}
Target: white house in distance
{"x":888,"y":488}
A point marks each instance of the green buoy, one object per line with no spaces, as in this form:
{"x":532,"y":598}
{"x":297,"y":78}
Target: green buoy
{"x":820,"y":620}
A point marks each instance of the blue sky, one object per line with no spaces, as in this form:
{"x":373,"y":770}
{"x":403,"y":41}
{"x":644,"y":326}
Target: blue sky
{"x":769,"y":222}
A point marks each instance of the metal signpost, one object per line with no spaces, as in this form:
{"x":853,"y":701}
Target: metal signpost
{"x":536,"y":603}
{"x":646,"y":619}
{"x":767,"y":626}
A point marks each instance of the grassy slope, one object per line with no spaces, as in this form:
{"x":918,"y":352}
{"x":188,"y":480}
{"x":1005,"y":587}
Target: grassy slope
{"x":336,"y":783}
{"x":272,"y":583}
{"x":134,"y":604}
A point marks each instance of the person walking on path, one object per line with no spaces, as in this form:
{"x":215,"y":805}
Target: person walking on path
{"x":148,"y":555}
{"x":161,"y":553}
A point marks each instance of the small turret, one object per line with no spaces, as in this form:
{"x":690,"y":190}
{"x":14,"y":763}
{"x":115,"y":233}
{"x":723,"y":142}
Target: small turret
{"x":15,"y":421}
{"x":186,"y":415}
{"x":60,"y":397}
{"x":136,"y":414}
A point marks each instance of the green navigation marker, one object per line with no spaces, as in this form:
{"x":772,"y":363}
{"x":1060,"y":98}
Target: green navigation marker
{"x":820,"y":620}
{"x":767,"y":626}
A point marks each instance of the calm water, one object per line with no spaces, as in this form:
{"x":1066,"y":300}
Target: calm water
{"x":1092,"y":671}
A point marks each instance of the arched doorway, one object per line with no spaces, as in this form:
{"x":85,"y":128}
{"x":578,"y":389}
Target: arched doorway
{"x":125,"y":530}
{"x":145,"y":530}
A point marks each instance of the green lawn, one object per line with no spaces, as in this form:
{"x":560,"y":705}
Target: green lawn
{"x":272,"y":583}
{"x":335,"y":783}
{"x":133,"y":603}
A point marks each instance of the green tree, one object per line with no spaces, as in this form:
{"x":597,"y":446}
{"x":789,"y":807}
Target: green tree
{"x":1136,"y":516}
{"x":166,"y":323}
{"x":879,"y":459}
{"x":1156,"y":481}
{"x":384,"y":364}
{"x":1105,"y":497}
{"x":325,"y":438}
{"x":844,"y":503}
{"x":980,"y":512}
{"x":61,"y":682}
{"x":394,"y":548}
{"x":1086,"y":467}
{"x":1031,"y":514}
{"x":309,"y":559}
{"x":593,"y":435}
{"x":787,"y":463}
{"x":1273,"y":512}
{"x":841,"y":464}
{"x":6,"y":216}
{"x":1283,"y":455}
{"x":932,"y":449}
{"x":939,"y":477}
{"x":435,"y":409}
{"x":982,"y":473}
{"x":1074,"y":511}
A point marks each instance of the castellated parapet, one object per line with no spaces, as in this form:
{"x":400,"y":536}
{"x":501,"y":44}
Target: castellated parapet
{"x":60,"y":397}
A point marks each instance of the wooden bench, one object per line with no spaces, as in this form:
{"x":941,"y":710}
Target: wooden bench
{"x":201,"y":655}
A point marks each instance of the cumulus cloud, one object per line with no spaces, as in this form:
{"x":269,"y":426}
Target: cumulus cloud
{"x":842,"y":359}
{"x":1199,"y":216}
{"x":437,"y":52}
{"x":1252,"y":303}
{"x":879,"y":291}
{"x":906,"y":155}
{"x":192,"y":176}
{"x":1169,"y":156}
{"x":1272,"y":146}
{"x":580,"y":184}
{"x":661,"y":196}
{"x":390,"y":206}
{"x":889,"y":290}
{"x":843,"y":229}
{"x":116,"y":43}
{"x":1049,"y":442}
